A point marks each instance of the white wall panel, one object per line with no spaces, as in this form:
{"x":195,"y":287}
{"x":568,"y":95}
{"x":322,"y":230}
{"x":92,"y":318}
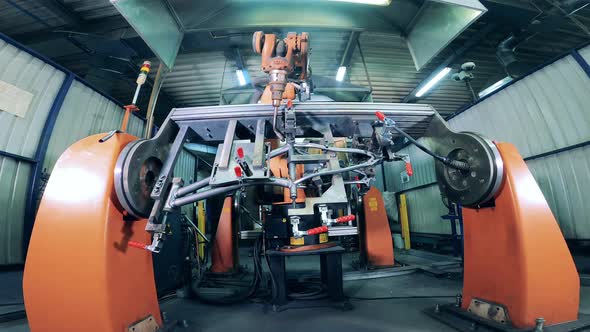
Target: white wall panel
{"x":424,"y":210}
{"x":14,"y":176}
{"x":545,"y":111}
{"x":21,"y":135}
{"x":85,"y":112}
{"x":564,"y":179}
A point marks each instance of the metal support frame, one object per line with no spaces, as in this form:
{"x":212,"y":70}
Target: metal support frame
{"x":17,"y":157}
{"x":156,"y":87}
{"x":34,"y":179}
{"x":349,"y":50}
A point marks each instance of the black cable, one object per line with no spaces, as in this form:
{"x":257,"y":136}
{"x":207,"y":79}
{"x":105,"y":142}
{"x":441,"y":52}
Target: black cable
{"x":249,"y":215}
{"x":333,"y":306}
{"x":460,"y":165}
{"x":400,"y":297}
{"x":272,"y":278}
{"x":10,"y":304}
{"x":244,"y":295}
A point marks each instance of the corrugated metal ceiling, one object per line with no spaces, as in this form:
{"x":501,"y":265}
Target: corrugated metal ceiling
{"x":203,"y":71}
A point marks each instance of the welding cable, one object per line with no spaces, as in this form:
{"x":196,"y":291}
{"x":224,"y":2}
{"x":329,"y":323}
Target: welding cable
{"x":272,"y":278}
{"x":457,"y":164}
{"x":400,"y":297}
{"x":249,"y":215}
{"x":244,"y":295}
{"x":313,"y":290}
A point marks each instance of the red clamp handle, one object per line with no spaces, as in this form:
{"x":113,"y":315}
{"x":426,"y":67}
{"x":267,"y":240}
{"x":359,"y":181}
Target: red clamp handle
{"x":137,"y":245}
{"x":317,"y":230}
{"x":380,"y":115}
{"x":409,"y":169}
{"x":348,"y":218}
{"x":240,"y":152}
{"x":238,"y":171}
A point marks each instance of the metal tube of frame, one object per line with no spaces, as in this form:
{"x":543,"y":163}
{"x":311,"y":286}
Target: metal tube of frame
{"x":222,"y":190}
{"x":227,"y":144}
{"x":331,"y":149}
{"x":277,"y":152}
{"x":371,"y":162}
{"x":193,"y":187}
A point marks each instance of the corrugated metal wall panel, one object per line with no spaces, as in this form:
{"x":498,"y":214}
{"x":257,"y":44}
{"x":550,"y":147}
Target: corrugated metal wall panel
{"x":564,"y":179}
{"x":542,"y":112}
{"x":85,"y":112}
{"x":14,"y":177}
{"x":424,"y":210}
{"x":136,"y":126}
{"x":185,"y":168}
{"x":21,"y":135}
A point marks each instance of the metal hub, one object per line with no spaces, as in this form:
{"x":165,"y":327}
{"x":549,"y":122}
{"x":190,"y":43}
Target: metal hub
{"x":136,"y":172}
{"x":482,"y":181}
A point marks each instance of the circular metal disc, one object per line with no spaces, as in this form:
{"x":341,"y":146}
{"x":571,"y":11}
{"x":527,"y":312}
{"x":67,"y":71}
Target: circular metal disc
{"x":136,"y":172}
{"x":482,"y":181}
{"x":257,"y":41}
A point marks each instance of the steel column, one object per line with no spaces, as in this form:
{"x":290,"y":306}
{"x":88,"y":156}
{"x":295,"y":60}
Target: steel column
{"x":581,"y":61}
{"x":34,"y":179}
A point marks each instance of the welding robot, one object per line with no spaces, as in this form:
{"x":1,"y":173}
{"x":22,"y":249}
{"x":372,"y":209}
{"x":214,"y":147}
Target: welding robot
{"x":105,"y":209}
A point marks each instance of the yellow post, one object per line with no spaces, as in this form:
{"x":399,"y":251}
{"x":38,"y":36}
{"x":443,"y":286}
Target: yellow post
{"x":403,"y":213}
{"x":201,"y":225}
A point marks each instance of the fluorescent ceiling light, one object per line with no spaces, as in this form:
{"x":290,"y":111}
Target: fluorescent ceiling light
{"x":241,"y":77}
{"x":433,"y":81}
{"x":368,"y":2}
{"x":340,"y":74}
{"x":495,"y":86}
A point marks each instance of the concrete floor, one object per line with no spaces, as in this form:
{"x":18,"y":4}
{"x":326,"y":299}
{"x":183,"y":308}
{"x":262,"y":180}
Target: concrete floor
{"x":380,"y":315}
{"x":376,"y":315}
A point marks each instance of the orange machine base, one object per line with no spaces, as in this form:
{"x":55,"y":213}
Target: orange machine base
{"x":515,"y":254}
{"x":377,"y":242}
{"x":80,"y":273}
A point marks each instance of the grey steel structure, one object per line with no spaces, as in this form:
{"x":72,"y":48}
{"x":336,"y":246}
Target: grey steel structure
{"x":469,"y":168}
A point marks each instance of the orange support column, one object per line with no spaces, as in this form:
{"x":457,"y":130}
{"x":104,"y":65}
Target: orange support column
{"x":81,"y":274}
{"x":376,"y":234}
{"x":224,"y":255}
{"x":515,"y":254}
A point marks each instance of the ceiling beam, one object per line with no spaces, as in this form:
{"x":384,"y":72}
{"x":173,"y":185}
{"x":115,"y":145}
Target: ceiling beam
{"x":468,"y":45}
{"x":350,"y":47}
{"x":58,"y":9}
{"x":115,"y":27}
